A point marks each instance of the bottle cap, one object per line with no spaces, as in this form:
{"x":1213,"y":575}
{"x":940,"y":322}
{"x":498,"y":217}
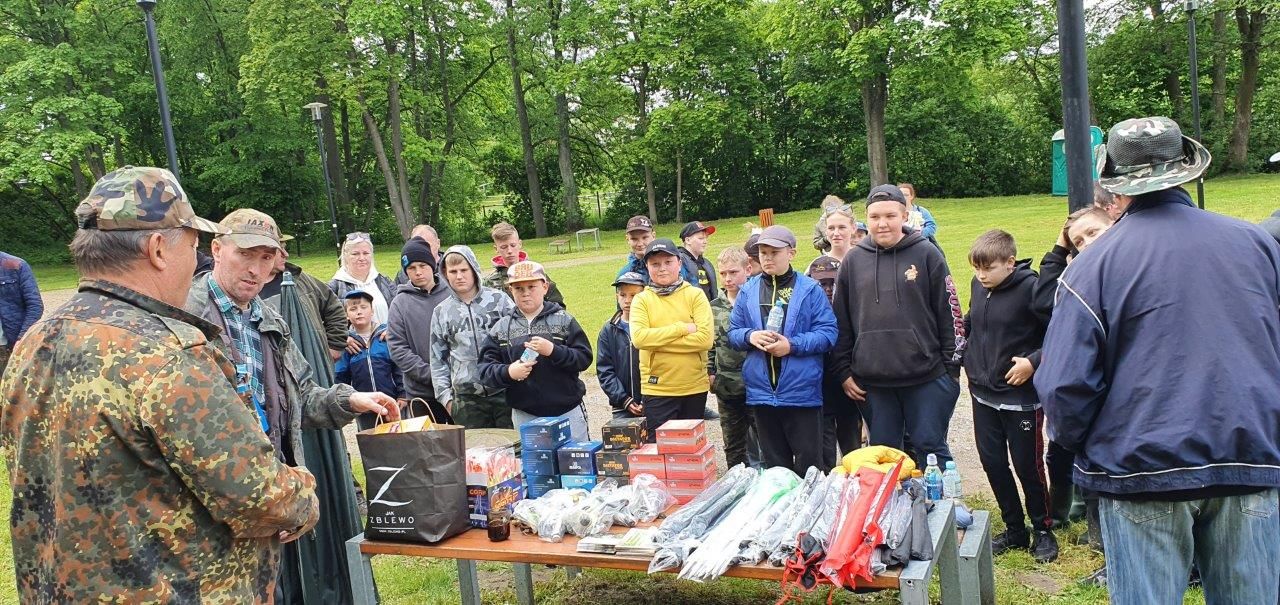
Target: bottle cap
{"x":951,"y":465}
{"x":916,"y":474}
{"x":932,"y":459}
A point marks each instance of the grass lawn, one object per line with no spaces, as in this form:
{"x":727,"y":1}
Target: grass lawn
{"x":584,"y":277}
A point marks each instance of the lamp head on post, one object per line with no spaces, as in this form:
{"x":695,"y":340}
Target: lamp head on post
{"x":147,"y":5}
{"x":317,"y":109}
{"x":1193,"y":6}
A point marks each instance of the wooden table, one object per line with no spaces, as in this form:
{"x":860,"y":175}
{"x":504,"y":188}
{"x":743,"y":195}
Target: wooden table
{"x":912,"y":580}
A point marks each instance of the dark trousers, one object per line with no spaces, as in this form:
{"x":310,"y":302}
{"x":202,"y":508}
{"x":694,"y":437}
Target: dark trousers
{"x":1004,"y":435}
{"x":923,"y":410}
{"x":841,"y":423}
{"x":741,"y":445}
{"x":1061,"y":488}
{"x":789,"y":436}
{"x":658,"y":410}
{"x":477,"y":412}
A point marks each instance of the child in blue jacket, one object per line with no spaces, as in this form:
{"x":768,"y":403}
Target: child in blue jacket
{"x":783,"y":369}
{"x":371,"y":369}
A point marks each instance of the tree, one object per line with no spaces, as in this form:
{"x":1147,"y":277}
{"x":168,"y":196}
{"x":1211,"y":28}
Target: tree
{"x":1251,"y":22}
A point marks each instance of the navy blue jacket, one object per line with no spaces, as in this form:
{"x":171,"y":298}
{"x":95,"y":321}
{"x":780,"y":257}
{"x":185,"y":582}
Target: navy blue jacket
{"x":20,"y":302}
{"x":637,"y":265}
{"x":371,"y":369}
{"x":617,"y":364}
{"x":1161,"y":365}
{"x":810,"y":325}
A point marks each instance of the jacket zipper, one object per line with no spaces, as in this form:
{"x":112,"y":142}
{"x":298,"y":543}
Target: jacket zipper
{"x":368,"y":360}
{"x":475,"y":344}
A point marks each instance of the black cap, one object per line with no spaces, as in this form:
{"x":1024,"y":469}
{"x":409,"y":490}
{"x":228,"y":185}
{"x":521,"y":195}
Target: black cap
{"x":630,"y":278}
{"x":660,"y":246}
{"x":752,"y":247}
{"x":417,"y":250}
{"x":693,"y":227}
{"x":886,"y":193}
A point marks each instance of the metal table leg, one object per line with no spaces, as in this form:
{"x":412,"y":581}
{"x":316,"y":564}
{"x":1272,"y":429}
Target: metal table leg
{"x":360,"y":570}
{"x":524,"y":583}
{"x":468,"y":582}
{"x":977,"y":583}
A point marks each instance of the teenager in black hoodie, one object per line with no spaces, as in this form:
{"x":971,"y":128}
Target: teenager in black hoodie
{"x":1005,"y":335}
{"x":901,"y":331}
{"x":548,"y":384}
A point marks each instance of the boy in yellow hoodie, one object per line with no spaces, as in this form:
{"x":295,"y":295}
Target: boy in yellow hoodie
{"x":671,"y":325}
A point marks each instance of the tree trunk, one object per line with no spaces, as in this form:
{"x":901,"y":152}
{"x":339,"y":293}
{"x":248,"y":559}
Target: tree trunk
{"x":522,"y":115}
{"x":572,"y":212}
{"x":679,"y":188}
{"x":1219,"y":69}
{"x":642,"y":110}
{"x":875,"y":96}
{"x":1250,"y":24}
{"x":1172,"y":80}
{"x":399,"y":204}
{"x":650,"y":194}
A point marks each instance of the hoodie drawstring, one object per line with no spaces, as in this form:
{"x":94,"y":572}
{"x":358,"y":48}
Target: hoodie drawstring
{"x":897,"y":297}
{"x":877,"y":275}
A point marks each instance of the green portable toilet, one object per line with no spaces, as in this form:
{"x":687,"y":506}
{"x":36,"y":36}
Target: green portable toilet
{"x":1059,"y":144}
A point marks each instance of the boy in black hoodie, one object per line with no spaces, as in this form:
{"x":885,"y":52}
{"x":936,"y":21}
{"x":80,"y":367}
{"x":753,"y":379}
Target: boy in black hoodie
{"x":901,"y":331}
{"x":1005,"y":334}
{"x":536,"y":353}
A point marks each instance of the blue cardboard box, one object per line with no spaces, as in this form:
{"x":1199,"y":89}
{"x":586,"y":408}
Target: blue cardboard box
{"x":544,"y":433}
{"x":539,"y":462}
{"x":587,"y":482}
{"x":578,"y":457}
{"x":538,"y":485}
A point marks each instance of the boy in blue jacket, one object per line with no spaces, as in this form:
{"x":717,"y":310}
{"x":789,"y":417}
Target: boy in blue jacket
{"x":370,"y":369}
{"x":783,"y":320}
{"x":617,"y":361}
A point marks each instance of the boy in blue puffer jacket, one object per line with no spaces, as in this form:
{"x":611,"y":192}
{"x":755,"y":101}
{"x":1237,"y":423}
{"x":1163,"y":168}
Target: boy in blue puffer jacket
{"x":371,"y":369}
{"x":783,"y":319}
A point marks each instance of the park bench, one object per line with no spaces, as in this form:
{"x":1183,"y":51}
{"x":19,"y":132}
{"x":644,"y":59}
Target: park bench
{"x":963,"y":581}
{"x":559,"y":246}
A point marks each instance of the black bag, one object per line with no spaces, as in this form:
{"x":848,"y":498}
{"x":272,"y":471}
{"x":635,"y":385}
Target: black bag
{"x":416,"y":484}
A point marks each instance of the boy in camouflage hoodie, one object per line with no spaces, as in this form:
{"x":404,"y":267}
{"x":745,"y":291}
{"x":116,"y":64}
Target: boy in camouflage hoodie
{"x":458,"y":329}
{"x":724,"y":365}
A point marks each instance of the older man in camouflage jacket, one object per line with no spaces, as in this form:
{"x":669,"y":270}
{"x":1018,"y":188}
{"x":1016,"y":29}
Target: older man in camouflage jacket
{"x":138,"y":473}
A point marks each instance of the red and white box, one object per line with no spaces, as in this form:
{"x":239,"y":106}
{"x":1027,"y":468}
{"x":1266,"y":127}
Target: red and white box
{"x":684,"y":490}
{"x":682,"y":436}
{"x":646,"y":459}
{"x":692,"y":466}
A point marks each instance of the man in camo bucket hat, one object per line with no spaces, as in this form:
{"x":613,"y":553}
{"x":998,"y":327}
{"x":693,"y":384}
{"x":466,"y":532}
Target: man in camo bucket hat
{"x":138,"y":472}
{"x":1144,"y":155}
{"x":1159,"y":372}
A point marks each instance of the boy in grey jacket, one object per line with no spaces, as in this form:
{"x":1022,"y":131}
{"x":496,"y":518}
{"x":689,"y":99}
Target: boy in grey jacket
{"x":458,"y":329}
{"x":409,"y":326}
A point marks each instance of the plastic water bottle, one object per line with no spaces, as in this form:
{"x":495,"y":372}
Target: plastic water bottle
{"x":932,"y":479}
{"x":529,"y":356}
{"x":951,"y":481}
{"x":776,"y":315}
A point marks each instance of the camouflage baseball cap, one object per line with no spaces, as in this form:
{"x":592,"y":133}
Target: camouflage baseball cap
{"x":1143,"y":155}
{"x":249,"y":228}
{"x":525,"y":270}
{"x":139,"y":199}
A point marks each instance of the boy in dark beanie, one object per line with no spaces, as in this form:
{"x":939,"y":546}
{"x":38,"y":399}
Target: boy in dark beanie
{"x":408,"y":334}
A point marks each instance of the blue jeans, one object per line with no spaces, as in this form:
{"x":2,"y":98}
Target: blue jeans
{"x":1233,"y":540}
{"x":922,"y":411}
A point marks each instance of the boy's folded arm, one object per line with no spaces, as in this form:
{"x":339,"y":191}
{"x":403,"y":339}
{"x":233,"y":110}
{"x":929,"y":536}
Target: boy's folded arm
{"x":657,"y":337}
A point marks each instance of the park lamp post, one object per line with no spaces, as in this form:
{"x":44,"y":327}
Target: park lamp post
{"x":317,"y":118}
{"x":1192,"y":6}
{"x":162,"y":94}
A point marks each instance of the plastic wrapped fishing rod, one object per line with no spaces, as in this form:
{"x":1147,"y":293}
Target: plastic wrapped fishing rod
{"x":748,"y":546}
{"x":680,"y":533}
{"x":804,"y":519}
{"x":776,"y":534}
{"x":720,"y":546}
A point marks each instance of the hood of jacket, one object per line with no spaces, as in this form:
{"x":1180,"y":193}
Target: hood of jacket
{"x":413,"y":290}
{"x":470,"y":256}
{"x":342,"y":276}
{"x":498,"y":262}
{"x":1021,"y":272}
{"x":548,"y":308}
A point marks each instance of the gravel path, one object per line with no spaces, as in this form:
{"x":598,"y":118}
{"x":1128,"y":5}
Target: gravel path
{"x":598,"y":412}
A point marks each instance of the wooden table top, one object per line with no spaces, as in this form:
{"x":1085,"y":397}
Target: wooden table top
{"x":474,"y":545}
